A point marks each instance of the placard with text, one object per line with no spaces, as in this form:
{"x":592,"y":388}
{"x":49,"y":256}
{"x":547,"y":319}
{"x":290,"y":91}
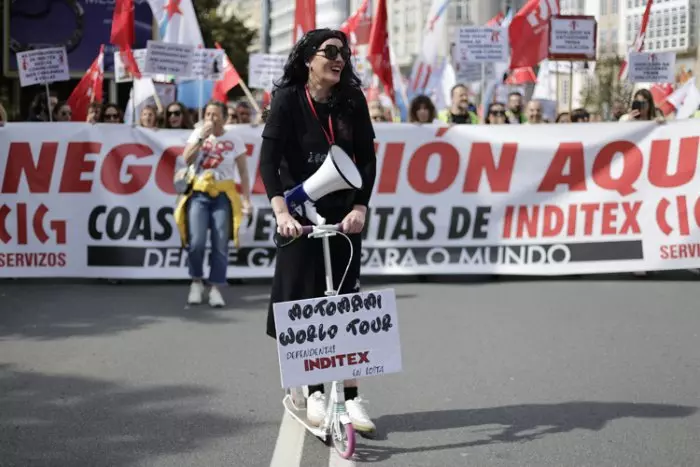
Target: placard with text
{"x":349,"y":336}
{"x":42,"y":66}
{"x":481,"y":44}
{"x":572,"y":37}
{"x":652,"y":67}
{"x":169,"y":58}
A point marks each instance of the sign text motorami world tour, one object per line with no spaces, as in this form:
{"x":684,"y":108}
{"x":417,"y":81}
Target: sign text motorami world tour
{"x":81,"y":200}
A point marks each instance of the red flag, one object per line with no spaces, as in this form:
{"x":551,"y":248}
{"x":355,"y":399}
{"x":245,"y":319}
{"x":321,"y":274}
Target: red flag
{"x":352,"y":25}
{"x":123,"y":23}
{"x":529,"y":33}
{"x":521,"y":76}
{"x":660,"y":93}
{"x":123,"y":36}
{"x":89,"y":89}
{"x":230,"y":80}
{"x":638,"y":44}
{"x":496,"y":20}
{"x":378,"y":51}
{"x":304,"y":18}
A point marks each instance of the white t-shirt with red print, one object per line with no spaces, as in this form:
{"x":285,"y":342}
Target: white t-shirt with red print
{"x":218,"y":154}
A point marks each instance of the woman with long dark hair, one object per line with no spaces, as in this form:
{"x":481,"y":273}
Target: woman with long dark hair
{"x":318,"y":102}
{"x":643,"y":108}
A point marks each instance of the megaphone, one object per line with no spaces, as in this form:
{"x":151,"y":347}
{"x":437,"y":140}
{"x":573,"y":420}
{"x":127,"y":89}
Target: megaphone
{"x":338,"y":172}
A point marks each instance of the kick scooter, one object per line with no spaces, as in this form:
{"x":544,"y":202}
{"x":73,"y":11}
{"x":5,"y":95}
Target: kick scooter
{"x":336,"y":426}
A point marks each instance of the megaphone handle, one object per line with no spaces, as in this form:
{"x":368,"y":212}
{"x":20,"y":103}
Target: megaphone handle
{"x":327,"y":264}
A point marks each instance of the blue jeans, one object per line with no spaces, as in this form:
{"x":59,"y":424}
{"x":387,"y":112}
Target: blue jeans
{"x":213,"y":214}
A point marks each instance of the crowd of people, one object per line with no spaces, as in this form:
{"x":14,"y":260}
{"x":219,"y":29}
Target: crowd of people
{"x":422,"y":110}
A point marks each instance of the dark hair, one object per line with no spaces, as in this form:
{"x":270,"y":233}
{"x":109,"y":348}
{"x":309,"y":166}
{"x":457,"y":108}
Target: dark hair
{"x":580,"y":115}
{"x":515,"y":93}
{"x":220,"y":105}
{"x":242,"y":104}
{"x":296,"y":73}
{"x":186,"y":123}
{"x":457,"y":86}
{"x":264,"y":114}
{"x":561,"y":116}
{"x":649,"y":99}
{"x":418,"y":102}
{"x":487,"y":117}
{"x":57,"y":107}
{"x":111,"y":106}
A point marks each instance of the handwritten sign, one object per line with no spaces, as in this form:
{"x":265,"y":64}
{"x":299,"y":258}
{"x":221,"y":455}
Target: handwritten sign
{"x":42,"y":66}
{"x":169,"y":58}
{"x":482,"y":44}
{"x":120,"y":73}
{"x":572,"y":37}
{"x":336,"y":338}
{"x":652,"y":67}
{"x":264,"y":70}
{"x":208,"y":64}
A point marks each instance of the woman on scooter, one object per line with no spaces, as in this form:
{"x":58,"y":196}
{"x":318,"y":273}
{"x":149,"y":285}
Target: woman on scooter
{"x":318,"y":102}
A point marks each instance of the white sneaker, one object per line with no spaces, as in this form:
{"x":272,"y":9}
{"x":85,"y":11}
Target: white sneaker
{"x":195,"y":296}
{"x":316,"y":408}
{"x":215,"y":298}
{"x":358,"y":415}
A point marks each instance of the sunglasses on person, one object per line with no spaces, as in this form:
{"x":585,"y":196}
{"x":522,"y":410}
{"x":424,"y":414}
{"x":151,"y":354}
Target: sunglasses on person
{"x":111,"y":116}
{"x":498,"y":113}
{"x":174,"y":113}
{"x":331,"y":52}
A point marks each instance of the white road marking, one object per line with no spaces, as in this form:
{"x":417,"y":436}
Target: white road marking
{"x":290,"y":443}
{"x":336,"y":461}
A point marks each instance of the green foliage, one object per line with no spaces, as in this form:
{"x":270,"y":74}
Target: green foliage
{"x":606,"y":88}
{"x":230,"y":33}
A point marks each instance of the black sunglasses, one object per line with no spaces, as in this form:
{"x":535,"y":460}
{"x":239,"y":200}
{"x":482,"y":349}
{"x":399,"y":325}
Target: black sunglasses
{"x":498,"y":113}
{"x":174,"y":113}
{"x":331,"y":52}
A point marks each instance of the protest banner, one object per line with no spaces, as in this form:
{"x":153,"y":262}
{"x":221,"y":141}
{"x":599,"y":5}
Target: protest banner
{"x":82,"y":200}
{"x":337,"y":338}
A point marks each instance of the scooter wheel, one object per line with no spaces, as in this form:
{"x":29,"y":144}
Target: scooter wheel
{"x":344,"y":441}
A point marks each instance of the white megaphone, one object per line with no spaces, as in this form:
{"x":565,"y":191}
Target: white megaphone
{"x":338,"y":172}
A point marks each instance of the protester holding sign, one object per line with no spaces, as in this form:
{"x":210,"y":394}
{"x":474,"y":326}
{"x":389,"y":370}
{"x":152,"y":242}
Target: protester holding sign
{"x":318,"y":103}
{"x":212,"y":201}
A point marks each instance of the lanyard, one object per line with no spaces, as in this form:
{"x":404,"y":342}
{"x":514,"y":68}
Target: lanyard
{"x":329,"y":137}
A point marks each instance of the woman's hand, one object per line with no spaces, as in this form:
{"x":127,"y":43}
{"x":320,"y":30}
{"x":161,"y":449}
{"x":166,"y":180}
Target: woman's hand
{"x":633,"y":115}
{"x":354,"y":222}
{"x":660,"y":120}
{"x":287,"y":226}
{"x":246,"y":206}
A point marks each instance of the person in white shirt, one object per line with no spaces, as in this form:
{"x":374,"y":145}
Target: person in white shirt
{"x":213,"y":202}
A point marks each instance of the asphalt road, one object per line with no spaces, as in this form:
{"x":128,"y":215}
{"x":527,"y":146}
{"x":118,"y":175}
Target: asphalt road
{"x":576,"y":372}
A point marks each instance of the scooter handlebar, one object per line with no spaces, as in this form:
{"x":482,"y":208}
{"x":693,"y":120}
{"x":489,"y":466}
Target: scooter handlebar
{"x":307,"y":229}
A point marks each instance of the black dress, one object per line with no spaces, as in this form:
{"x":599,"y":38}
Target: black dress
{"x":294,"y":147}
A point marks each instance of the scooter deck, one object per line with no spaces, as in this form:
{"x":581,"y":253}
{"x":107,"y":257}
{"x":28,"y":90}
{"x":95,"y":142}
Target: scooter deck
{"x":300,"y":416}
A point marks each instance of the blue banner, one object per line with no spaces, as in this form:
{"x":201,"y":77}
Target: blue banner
{"x":82,"y":26}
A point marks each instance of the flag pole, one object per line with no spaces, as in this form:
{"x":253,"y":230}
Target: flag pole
{"x":48,"y":101}
{"x":249,"y":96}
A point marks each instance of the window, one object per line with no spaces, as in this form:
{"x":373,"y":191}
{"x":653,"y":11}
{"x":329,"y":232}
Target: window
{"x":629,"y":4}
{"x":665,"y":43}
{"x":673,"y":42}
{"x":658,"y":44}
{"x":603,"y":7}
{"x":666,"y":31}
{"x":682,"y":42}
{"x":674,"y":30}
{"x":615,"y":6}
